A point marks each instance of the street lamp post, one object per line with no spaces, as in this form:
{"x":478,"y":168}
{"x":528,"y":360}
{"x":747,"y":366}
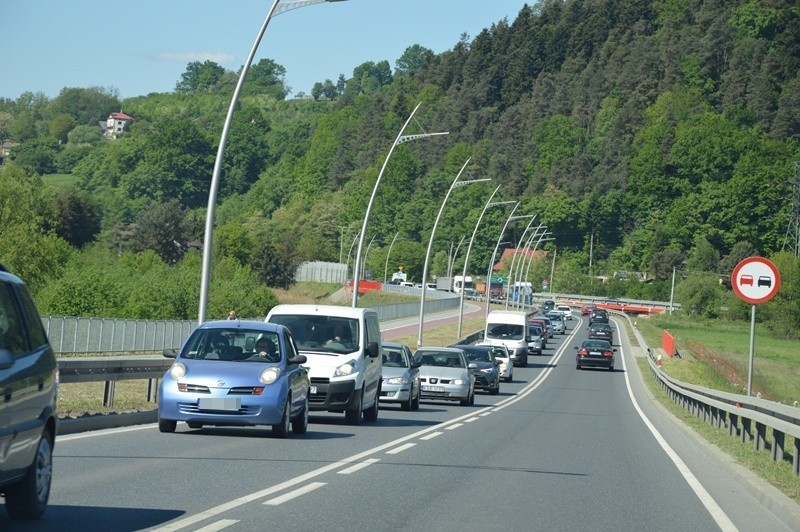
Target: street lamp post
{"x":494,"y":253}
{"x":469,"y":249}
{"x":532,"y":252}
{"x":366,"y":254}
{"x":278,"y":7}
{"x":456,"y":183}
{"x":530,"y":259}
{"x":517,"y":278}
{"x":511,"y":270}
{"x":399,"y":140}
{"x":386,"y":266}
{"x":451,"y":260}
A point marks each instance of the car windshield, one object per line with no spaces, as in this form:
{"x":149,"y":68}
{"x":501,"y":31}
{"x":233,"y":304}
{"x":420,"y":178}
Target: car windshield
{"x":393,"y":358}
{"x":331,"y":334}
{"x":499,"y":352}
{"x":444,"y":359}
{"x":504,"y":331}
{"x":234,"y":344}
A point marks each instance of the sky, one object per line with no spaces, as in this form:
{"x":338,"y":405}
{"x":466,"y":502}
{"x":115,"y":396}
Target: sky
{"x":141,"y":47}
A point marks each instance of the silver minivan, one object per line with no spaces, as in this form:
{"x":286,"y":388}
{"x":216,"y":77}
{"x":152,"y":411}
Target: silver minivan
{"x":29,"y":381}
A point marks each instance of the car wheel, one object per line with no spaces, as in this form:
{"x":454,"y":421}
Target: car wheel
{"x":577,"y":365}
{"x":496,"y":389}
{"x":415,"y":404}
{"x":194,"y":425}
{"x":282,"y":429}
{"x":353,"y":417}
{"x":472,"y":397}
{"x":27,"y":499}
{"x":300,"y":422}
{"x":408,"y":405}
{"x":371,"y":414}
{"x":167,"y":425}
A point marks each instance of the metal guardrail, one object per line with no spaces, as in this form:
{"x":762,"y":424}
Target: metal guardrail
{"x":745,"y":417}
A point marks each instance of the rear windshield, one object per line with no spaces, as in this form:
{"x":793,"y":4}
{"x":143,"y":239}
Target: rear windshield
{"x":332,"y":334}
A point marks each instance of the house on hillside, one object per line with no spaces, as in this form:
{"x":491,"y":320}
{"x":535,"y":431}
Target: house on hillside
{"x":5,"y":150}
{"x":508,"y":254}
{"x":115,"y":124}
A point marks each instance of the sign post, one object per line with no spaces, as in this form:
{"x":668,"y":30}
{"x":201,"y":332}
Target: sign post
{"x":755,"y":280}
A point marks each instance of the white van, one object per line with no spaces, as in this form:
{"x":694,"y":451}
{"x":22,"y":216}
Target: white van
{"x":342,"y":346}
{"x":509,"y":328}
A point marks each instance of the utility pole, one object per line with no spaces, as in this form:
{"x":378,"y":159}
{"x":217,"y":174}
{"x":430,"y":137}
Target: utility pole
{"x":792,"y":239}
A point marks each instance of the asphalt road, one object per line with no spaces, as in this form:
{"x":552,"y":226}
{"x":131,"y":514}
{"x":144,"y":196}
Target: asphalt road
{"x":557,"y":449}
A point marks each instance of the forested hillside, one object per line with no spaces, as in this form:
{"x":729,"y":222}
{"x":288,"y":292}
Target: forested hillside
{"x":646,"y":135}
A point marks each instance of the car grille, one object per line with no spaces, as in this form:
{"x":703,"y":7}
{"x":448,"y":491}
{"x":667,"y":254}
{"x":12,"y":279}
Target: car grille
{"x":245,"y":410}
{"x":436,"y":381}
{"x":197,"y":388}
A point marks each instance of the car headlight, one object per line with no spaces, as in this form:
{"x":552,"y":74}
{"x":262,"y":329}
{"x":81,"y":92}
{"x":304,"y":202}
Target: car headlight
{"x":177,"y":371}
{"x":487,"y":370}
{"x":397,"y":380}
{"x":348,"y":368}
{"x":458,"y":382}
{"x":269,"y":375}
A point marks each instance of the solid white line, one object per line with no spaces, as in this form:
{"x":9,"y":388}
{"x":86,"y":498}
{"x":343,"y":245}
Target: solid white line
{"x":706,"y":499}
{"x":359,"y":467}
{"x":219,"y":525}
{"x":294,"y":494}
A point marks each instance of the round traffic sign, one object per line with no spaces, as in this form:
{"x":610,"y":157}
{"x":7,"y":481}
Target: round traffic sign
{"x":755,"y":280}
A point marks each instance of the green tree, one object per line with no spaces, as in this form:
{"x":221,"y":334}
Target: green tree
{"x":200,"y":77}
{"x":76,"y":219}
{"x":161,"y":228}
{"x":414,"y":59}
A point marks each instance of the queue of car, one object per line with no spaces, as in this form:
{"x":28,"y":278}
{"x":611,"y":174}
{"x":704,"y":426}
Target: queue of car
{"x":597,"y":350}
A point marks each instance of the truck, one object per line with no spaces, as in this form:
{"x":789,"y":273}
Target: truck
{"x":453,"y":284}
{"x":399,"y":277}
{"x":496,"y":288}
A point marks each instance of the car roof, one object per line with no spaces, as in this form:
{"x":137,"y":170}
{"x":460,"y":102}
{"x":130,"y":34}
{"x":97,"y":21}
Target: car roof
{"x":242,"y":324}
{"x":337,"y":311}
{"x":440,"y":349}
{"x":393,"y":345}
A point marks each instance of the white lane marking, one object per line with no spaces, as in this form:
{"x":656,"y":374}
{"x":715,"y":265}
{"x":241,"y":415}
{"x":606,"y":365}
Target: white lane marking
{"x":359,"y":467}
{"x":470,"y":420}
{"x":294,"y":494}
{"x":402,"y":448}
{"x":219,"y":525}
{"x":104,"y":432}
{"x":431,"y":436}
{"x":706,"y":499}
{"x":485,"y":414}
{"x":454,"y":426}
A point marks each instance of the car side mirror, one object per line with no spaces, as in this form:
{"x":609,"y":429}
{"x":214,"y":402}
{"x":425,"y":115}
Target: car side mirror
{"x":576,"y":348}
{"x":297,"y":359}
{"x":480,"y":335}
{"x":6,"y":359}
{"x":373,"y":349}
{"x":415,"y":363}
{"x":472,"y":365}
{"x":170,"y":353}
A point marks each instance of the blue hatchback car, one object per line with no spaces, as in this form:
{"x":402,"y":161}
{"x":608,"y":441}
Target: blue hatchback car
{"x":236,"y":373}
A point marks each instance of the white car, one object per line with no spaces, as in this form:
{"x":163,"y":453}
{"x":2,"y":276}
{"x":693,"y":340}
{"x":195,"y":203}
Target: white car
{"x":506,"y":366}
{"x":566,"y":310}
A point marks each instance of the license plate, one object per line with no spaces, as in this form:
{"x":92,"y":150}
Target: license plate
{"x":433,"y":388}
{"x":595,"y":353}
{"x":312,"y":389}
{"x":220,"y":403}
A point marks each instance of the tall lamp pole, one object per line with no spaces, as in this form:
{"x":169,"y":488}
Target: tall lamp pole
{"x":469,"y":249}
{"x":278,"y":7}
{"x":511,"y":269}
{"x":456,"y":183}
{"x":386,"y":266}
{"x":510,"y":218}
{"x":533,"y":252}
{"x":399,"y":140}
{"x":521,"y":266}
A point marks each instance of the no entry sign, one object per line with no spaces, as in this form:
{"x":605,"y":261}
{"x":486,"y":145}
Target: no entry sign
{"x":755,"y":280}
